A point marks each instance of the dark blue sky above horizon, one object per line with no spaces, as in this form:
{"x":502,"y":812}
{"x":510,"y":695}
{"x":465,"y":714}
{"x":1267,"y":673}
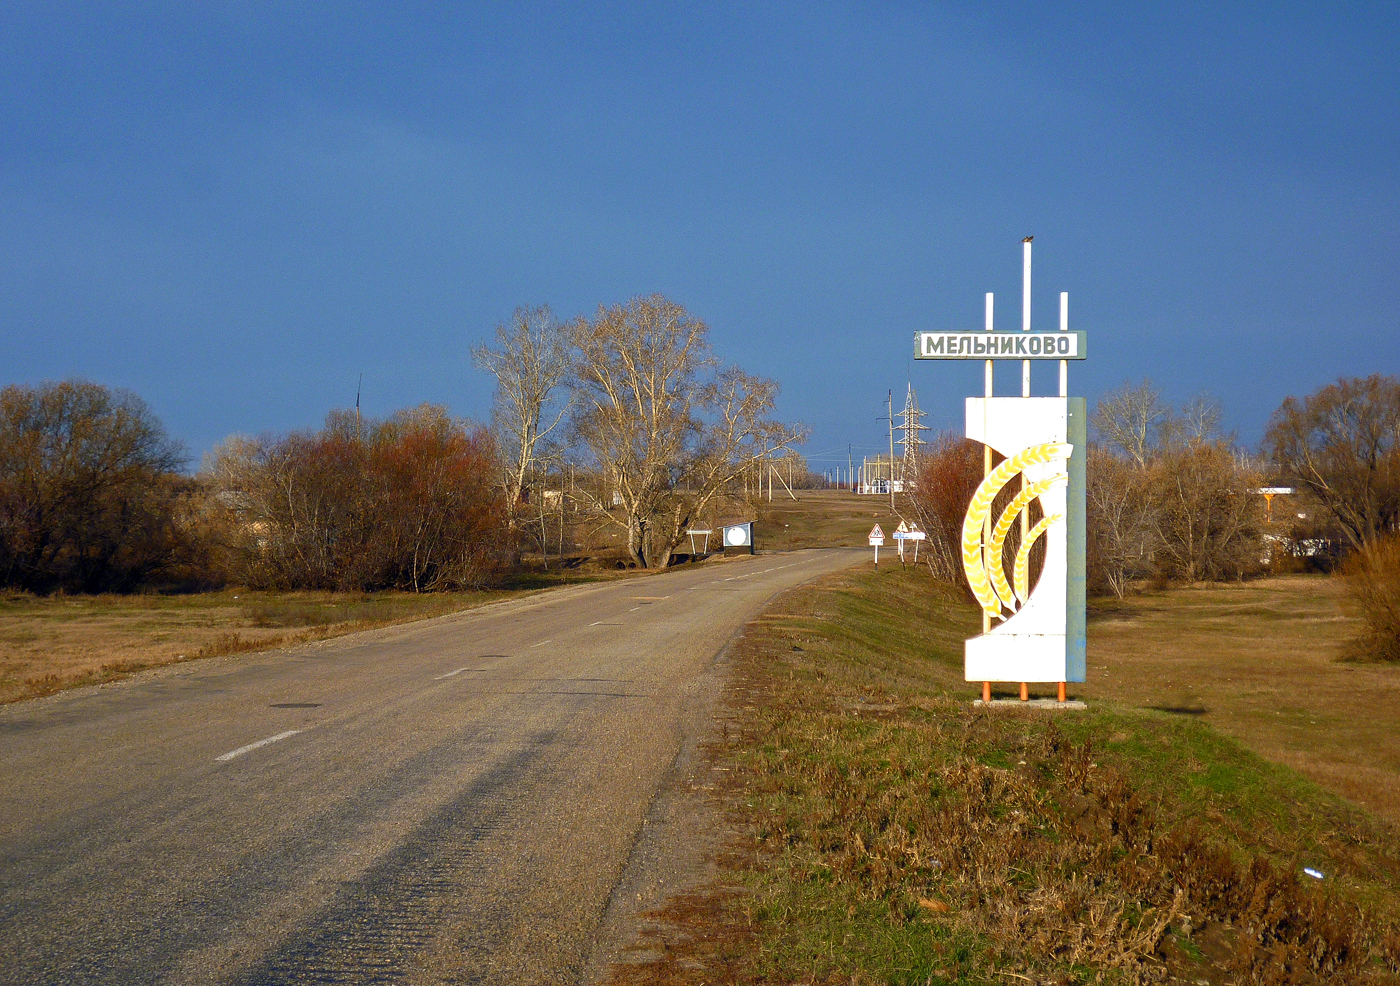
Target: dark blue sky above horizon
{"x":234,"y":209}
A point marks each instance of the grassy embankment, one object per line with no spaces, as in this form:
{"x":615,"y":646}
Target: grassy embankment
{"x":885,"y":831}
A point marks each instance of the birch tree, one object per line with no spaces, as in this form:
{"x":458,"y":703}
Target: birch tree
{"x":531,"y":361}
{"x":1127,"y":420}
{"x":668,"y":428}
{"x":735,"y":432}
{"x":637,"y":377}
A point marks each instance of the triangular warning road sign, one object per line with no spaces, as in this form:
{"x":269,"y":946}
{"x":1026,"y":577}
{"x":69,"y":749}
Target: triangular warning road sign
{"x":875,"y":532}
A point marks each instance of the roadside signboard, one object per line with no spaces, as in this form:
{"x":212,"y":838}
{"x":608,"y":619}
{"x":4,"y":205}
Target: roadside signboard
{"x":877,"y":538}
{"x":738,"y":536}
{"x":1000,"y":345}
{"x":904,"y":534}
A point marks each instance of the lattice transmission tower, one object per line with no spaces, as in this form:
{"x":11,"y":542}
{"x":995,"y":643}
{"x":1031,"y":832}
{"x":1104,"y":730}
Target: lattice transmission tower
{"x":911,"y":423}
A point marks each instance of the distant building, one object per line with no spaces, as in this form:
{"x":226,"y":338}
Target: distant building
{"x":877,"y":472}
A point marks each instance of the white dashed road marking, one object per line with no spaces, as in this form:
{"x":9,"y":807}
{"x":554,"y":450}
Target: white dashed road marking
{"x":253,"y":746}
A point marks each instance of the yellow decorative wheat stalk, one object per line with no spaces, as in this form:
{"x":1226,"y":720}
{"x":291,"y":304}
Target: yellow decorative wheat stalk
{"x":1023,"y":555}
{"x":1008,"y":517}
{"x":977,"y":513}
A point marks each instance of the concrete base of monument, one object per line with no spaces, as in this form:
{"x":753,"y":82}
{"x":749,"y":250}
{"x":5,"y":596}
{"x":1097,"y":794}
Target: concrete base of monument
{"x":1033,"y":703}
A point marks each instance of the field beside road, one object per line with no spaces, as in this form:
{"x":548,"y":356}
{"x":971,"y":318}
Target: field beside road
{"x":882,"y":830}
{"x":50,"y":643}
{"x":826,"y":519}
{"x":1259,"y":661}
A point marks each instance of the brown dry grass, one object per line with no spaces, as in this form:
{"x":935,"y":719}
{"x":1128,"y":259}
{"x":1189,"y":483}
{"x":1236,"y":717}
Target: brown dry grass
{"x":826,"y":519}
{"x":1260,"y":662}
{"x":51,"y":643}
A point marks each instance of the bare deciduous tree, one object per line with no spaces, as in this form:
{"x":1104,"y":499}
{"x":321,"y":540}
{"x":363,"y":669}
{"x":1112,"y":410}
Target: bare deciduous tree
{"x":87,"y":488}
{"x":668,"y":429}
{"x":949,"y":473}
{"x":1119,"y":543}
{"x":1127,"y":420}
{"x":637,"y":377}
{"x":1200,"y":419}
{"x":735,"y":431}
{"x":1342,"y":444}
{"x":531,"y":360}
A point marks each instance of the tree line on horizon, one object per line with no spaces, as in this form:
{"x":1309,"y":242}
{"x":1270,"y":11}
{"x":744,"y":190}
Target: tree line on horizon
{"x":1172,"y":499}
{"x":625,"y":422}
{"x":625,"y":431}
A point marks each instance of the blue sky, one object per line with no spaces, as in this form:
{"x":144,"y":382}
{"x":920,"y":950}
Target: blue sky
{"x":235,"y":209}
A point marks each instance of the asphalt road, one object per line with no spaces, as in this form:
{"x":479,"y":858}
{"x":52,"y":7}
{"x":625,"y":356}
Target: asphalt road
{"x":448,"y":801}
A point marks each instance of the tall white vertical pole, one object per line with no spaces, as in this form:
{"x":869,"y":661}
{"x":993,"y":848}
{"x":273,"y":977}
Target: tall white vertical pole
{"x":1026,"y":310}
{"x":988,"y":371}
{"x":986,"y":468}
{"x":1025,"y":375}
{"x":1064,"y":327}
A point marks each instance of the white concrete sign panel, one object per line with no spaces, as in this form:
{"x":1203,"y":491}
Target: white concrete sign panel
{"x":1038,"y":636}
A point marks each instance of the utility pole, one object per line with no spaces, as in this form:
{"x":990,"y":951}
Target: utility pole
{"x":850,"y":469}
{"x":889,"y":416}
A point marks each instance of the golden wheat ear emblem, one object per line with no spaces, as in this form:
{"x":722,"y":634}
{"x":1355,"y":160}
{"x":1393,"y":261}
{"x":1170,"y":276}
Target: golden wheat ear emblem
{"x":990,"y":587}
{"x":1023,"y":555}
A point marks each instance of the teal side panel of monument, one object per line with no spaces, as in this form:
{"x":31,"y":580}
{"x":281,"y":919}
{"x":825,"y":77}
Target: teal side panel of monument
{"x":1076,"y":595}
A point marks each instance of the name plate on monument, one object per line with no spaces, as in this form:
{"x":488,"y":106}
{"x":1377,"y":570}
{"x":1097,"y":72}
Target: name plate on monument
{"x":1000,"y":345}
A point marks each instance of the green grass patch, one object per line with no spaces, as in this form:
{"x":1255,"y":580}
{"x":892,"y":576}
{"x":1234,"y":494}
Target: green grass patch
{"x":888,"y":832}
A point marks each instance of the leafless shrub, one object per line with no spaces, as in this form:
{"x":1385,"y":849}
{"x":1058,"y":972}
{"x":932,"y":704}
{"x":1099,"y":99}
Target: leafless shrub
{"x":1119,"y":518}
{"x":88,"y":491}
{"x":1204,"y":520}
{"x":1168,"y":498}
{"x":949,"y":473}
{"x":1342,"y":443}
{"x":1372,"y":578}
{"x":410,"y":502}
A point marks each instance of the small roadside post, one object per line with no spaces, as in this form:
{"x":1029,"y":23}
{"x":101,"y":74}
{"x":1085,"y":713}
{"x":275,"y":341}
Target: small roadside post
{"x":877,"y":538}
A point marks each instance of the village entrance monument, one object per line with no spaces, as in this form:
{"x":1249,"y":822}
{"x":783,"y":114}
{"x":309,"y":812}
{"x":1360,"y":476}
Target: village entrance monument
{"x":1039,"y":632}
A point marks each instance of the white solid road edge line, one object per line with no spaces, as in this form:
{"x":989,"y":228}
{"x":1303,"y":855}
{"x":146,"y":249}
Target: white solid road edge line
{"x":253,"y":746}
